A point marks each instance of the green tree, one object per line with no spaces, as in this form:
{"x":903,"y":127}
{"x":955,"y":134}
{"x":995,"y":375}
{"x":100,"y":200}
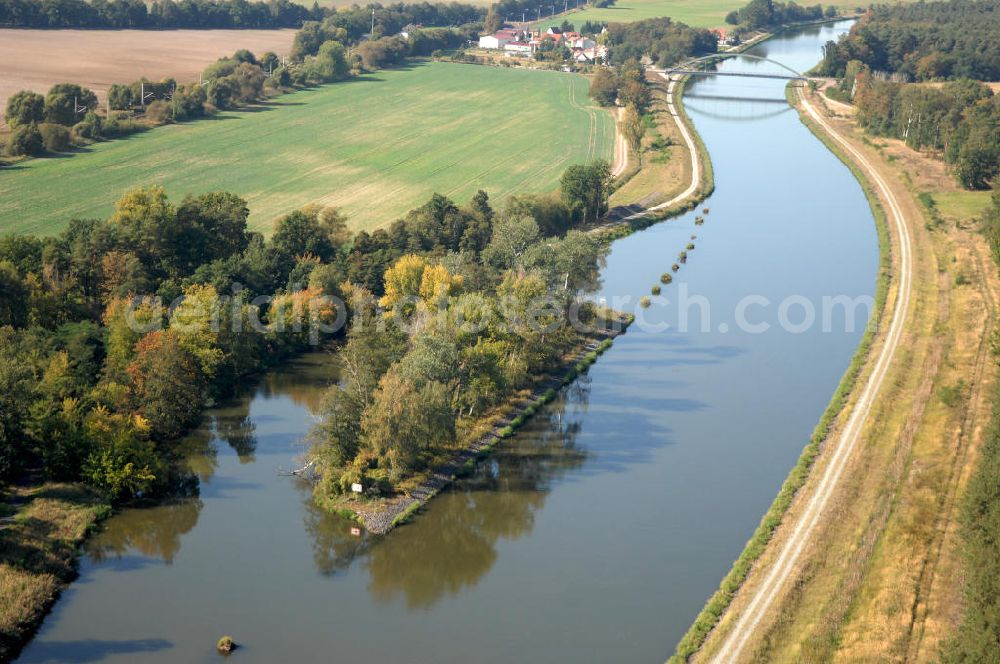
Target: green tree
{"x":13,"y":296}
{"x":330,"y":63}
{"x":216,"y":226}
{"x":404,"y":423}
{"x":25,"y":140}
{"x":513,"y":235}
{"x":120,"y":97}
{"x":123,"y":462}
{"x":633,"y":128}
{"x":604,"y":87}
{"x":301,"y":233}
{"x":24,"y":108}
{"x":16,"y":379}
{"x":64,"y":101}
{"x":586,"y":187}
{"x":55,"y":138}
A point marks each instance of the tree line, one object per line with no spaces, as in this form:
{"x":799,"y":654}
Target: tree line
{"x":660,"y":39}
{"x":158,"y":14}
{"x":764,"y":14}
{"x":957,"y":120}
{"x":68,"y":114}
{"x":208,"y":14}
{"x":923,"y":41}
{"x":115,"y":333}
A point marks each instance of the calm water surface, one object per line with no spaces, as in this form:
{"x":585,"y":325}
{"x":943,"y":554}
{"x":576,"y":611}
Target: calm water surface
{"x":597,"y":534}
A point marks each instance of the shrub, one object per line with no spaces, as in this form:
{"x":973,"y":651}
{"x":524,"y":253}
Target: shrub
{"x":682,"y":257}
{"x":704,"y":210}
{"x":25,"y":140}
{"x":89,"y":127}
{"x":55,"y":137}
{"x":114,"y":127}
{"x":159,"y":111}
{"x":690,"y":246}
{"x":656,"y":290}
{"x":505,"y":432}
{"x":644,"y":302}
{"x":666,"y":277}
{"x":675,"y":267}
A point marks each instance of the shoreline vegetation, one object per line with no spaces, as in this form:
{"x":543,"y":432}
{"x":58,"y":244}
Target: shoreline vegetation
{"x":41,"y":528}
{"x":502,"y":423}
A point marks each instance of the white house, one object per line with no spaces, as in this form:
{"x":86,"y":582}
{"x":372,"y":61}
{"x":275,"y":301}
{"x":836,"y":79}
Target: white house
{"x":494,"y":41}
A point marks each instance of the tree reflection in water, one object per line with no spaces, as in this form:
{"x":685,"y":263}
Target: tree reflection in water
{"x":152,"y":531}
{"x":452,"y":543}
{"x":235,"y":426}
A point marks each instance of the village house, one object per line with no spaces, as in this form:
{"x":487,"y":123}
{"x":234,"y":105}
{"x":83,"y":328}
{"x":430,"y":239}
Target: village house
{"x":500,"y":39}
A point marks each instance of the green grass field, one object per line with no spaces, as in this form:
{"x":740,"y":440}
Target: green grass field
{"x":962,"y":204}
{"x":377,"y":146}
{"x":696,"y":13}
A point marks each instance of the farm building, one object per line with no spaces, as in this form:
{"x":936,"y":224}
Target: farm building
{"x":520,"y":48}
{"x":501,"y":38}
{"x":493,"y":41}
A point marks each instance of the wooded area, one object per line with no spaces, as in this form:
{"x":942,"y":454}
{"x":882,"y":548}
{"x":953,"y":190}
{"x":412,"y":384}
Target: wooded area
{"x":114,"y":334}
{"x":923,"y":41}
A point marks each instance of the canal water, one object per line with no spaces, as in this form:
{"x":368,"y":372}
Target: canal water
{"x":597,"y":533}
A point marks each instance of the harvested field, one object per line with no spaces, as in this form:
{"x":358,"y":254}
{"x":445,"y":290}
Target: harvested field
{"x":37,"y":59}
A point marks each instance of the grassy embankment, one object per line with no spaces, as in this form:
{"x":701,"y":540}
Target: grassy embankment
{"x":662,"y":168}
{"x":376,"y":146}
{"x":879,"y":582}
{"x":40,"y":531}
{"x":663,"y":174}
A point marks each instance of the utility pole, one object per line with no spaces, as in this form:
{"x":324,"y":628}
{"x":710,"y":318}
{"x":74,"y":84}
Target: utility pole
{"x":371,"y":35}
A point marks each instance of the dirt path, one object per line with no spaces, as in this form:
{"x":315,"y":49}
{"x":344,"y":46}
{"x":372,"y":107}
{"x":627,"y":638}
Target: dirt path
{"x":839,"y":448}
{"x":621,"y":147}
{"x":692,"y":149}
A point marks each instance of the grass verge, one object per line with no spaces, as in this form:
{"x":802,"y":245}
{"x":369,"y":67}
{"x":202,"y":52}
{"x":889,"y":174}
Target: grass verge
{"x":40,"y":532}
